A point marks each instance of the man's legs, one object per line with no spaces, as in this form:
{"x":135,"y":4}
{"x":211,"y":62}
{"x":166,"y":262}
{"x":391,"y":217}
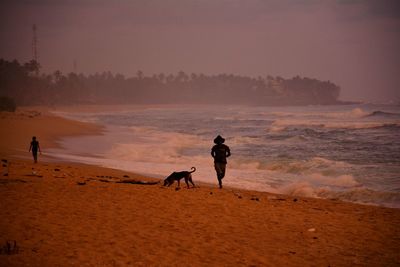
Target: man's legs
{"x":220,"y":169}
{"x":34,"y":153}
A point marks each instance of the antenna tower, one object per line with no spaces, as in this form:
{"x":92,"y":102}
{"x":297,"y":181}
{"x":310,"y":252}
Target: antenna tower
{"x":34,"y":43}
{"x":75,"y":66}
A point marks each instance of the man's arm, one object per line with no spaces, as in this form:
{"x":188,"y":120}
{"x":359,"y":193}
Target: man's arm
{"x":213,"y":152}
{"x":228,"y":151}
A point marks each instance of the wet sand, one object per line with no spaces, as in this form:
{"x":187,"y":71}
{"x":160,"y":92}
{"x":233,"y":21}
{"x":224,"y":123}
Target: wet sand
{"x":71,"y":214}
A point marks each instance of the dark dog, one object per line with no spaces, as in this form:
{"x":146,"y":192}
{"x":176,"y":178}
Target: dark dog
{"x":177,"y":176}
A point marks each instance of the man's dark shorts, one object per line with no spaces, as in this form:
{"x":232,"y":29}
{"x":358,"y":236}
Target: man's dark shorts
{"x":220,"y":169}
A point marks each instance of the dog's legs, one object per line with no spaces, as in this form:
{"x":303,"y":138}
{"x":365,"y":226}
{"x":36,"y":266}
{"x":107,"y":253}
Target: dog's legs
{"x":179,"y":183}
{"x":186,"y":181}
{"x":191,"y":181}
{"x":189,"y":178}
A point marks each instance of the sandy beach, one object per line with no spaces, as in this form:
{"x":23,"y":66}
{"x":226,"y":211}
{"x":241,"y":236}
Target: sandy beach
{"x":72,"y":214}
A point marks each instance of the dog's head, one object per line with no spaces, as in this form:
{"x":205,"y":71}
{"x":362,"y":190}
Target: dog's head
{"x":169,"y":180}
{"x":166,"y":182}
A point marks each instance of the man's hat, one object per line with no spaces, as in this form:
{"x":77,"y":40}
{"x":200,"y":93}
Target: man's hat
{"x":219,"y":140}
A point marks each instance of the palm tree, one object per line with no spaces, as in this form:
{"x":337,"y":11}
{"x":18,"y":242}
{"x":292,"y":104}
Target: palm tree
{"x":170,"y":78}
{"x":161,"y":77}
{"x":139,"y":74}
{"x":57,"y":76}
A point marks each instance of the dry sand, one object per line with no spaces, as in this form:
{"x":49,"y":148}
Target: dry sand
{"x":70,"y":214}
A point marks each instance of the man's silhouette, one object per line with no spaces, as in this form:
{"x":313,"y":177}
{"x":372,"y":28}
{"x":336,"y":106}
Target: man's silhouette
{"x":34,"y":148}
{"x":220,"y":152}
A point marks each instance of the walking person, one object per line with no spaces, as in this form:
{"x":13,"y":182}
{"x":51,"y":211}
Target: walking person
{"x":34,"y":148}
{"x":220,"y":152}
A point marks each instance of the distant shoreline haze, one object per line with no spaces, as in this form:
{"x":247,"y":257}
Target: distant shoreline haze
{"x":27,"y":86}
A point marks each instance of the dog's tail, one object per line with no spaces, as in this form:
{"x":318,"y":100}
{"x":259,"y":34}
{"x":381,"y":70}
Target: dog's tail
{"x":193,"y":169}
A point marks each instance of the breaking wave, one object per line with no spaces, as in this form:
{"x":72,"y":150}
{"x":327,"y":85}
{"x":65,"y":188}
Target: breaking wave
{"x":359,"y":194}
{"x":383,"y":114}
{"x":308,"y":166}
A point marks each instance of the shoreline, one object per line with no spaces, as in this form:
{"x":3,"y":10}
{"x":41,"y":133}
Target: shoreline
{"x":19,"y":127}
{"x":211,"y":185}
{"x":65,"y":213}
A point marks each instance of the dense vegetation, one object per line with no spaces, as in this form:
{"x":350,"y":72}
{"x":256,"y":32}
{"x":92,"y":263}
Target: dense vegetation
{"x":7,"y":104}
{"x":23,"y":83}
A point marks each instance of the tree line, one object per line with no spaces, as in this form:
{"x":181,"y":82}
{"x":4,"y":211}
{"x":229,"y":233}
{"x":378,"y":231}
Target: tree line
{"x":24,"y":84}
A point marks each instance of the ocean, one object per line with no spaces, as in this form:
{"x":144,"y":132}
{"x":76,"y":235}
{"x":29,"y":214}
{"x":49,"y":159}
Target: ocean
{"x":346,"y":152}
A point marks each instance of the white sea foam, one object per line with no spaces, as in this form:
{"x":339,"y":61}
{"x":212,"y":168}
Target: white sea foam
{"x":353,"y":119}
{"x":308,"y":166}
{"x":277,"y":127}
{"x":364,"y":196}
{"x":343,"y":181}
{"x":283,"y":124}
{"x":77,"y":116}
{"x":358,"y":112}
{"x":152,"y":145}
{"x":354,"y":113}
{"x":316,"y":185}
{"x":244,"y":140}
{"x":357,"y":125}
{"x":245,"y":165}
{"x":317,"y":114}
{"x":301,"y":189}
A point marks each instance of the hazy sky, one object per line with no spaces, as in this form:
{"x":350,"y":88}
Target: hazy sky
{"x":355,"y":44}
